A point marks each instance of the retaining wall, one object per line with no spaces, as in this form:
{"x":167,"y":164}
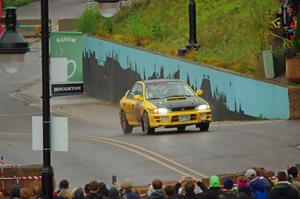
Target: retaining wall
{"x":111,"y":68}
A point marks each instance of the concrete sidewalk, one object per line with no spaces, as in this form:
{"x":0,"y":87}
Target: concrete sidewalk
{"x":81,"y":107}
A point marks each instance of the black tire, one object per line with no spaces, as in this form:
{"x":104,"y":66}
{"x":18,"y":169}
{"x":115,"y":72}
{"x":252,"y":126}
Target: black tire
{"x":127,"y":129}
{"x":146,"y":126}
{"x":203,"y":126}
{"x":181,"y":128}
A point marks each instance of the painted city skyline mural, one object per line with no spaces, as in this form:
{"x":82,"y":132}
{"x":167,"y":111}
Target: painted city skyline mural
{"x":110,"y":69}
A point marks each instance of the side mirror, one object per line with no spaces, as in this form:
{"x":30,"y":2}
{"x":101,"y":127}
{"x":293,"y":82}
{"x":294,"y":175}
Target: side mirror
{"x":199,"y":92}
{"x":138,"y":98}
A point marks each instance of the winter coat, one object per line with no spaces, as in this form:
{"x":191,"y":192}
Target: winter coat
{"x":284,"y":191}
{"x":211,"y":193}
{"x":131,"y":195}
{"x":95,"y":196}
{"x":245,"y":193}
{"x":258,"y":188}
{"x":157,"y":194}
{"x":191,"y":196}
{"x":228,"y":195}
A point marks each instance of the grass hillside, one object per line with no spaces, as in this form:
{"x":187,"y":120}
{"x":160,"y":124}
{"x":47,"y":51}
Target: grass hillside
{"x":15,"y":3}
{"x":231,"y":33}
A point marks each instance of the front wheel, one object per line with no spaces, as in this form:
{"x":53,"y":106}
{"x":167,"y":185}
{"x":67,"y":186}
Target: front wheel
{"x":146,"y":125}
{"x":203,"y":126}
{"x":127,"y":129}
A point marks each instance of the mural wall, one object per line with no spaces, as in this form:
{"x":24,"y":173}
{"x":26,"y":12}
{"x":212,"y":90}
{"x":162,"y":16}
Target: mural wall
{"x":110,"y":69}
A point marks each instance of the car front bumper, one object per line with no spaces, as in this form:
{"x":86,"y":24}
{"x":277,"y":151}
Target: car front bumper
{"x":178,"y":118}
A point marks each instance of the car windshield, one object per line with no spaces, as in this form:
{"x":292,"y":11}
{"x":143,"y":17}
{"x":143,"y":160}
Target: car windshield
{"x":161,"y":90}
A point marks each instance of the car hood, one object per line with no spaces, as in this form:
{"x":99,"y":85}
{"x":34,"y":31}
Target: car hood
{"x":178,"y":102}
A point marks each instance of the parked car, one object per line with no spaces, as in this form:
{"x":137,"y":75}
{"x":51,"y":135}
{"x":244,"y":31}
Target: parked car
{"x":169,"y":103}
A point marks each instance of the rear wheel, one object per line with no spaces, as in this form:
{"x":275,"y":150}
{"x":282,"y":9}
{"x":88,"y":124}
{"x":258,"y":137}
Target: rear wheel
{"x":203,"y":126}
{"x":181,"y":128}
{"x":146,"y":125}
{"x":127,"y":129}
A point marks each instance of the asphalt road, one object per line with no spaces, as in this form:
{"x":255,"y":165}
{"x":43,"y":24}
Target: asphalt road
{"x":98,"y":152}
{"x":58,"y":9}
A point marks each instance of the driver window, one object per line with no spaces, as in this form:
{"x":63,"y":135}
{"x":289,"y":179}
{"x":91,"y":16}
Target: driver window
{"x":132,"y":91}
{"x":137,"y":89}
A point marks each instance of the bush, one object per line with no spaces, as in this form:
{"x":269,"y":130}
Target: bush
{"x":89,"y":21}
{"x":16,"y":3}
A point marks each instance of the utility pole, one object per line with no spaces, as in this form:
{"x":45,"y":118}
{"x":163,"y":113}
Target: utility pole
{"x":47,"y":172}
{"x":1,"y":18}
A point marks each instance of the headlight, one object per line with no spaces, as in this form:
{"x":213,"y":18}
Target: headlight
{"x":202,"y":107}
{"x":161,"y":111}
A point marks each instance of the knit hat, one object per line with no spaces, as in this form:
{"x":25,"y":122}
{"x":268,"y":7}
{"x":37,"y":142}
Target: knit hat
{"x":293,"y":171}
{"x":242,"y":182}
{"x":250,"y":173}
{"x":228,"y":183}
{"x":214,"y":181}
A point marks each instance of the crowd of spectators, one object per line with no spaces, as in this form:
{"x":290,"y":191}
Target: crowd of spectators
{"x":255,"y":183}
{"x":288,"y":13}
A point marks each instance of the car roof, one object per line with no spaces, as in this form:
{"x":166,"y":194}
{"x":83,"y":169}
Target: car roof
{"x":161,"y":81}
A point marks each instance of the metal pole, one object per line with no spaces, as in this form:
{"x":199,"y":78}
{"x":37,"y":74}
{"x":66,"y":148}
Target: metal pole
{"x":1,"y":18}
{"x":47,"y":172}
{"x":192,"y":21}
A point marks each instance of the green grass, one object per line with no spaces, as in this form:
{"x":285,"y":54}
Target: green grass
{"x":231,"y":33}
{"x":16,"y":3}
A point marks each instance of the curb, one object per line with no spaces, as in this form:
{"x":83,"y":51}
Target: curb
{"x":59,"y":109}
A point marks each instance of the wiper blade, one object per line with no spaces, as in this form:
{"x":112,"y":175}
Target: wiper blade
{"x":178,"y":96}
{"x":154,"y":98}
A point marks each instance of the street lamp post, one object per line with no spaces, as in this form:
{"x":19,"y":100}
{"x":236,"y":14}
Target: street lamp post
{"x":0,"y":17}
{"x":47,"y":172}
{"x":193,"y":26}
{"x":13,"y":46}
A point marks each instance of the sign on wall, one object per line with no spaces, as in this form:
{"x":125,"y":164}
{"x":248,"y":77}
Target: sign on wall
{"x":66,"y":63}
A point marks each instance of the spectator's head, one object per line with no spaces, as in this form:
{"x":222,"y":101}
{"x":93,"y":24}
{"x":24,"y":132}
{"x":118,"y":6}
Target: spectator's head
{"x":293,"y":172}
{"x":251,"y":174}
{"x":169,"y":190}
{"x":94,"y":186}
{"x":214,"y":182}
{"x":87,"y":188}
{"x":64,"y":184}
{"x":270,"y":174}
{"x":228,"y":183}
{"x":78,"y":193}
{"x":290,"y":9}
{"x":242,"y":181}
{"x":113,"y":193}
{"x":261,"y":172}
{"x":24,"y":193}
{"x":1,"y":195}
{"x":282,"y":176}
{"x":127,"y":185}
{"x":157,"y":184}
{"x":102,"y":188}
{"x":189,"y":187}
{"x":15,"y":192}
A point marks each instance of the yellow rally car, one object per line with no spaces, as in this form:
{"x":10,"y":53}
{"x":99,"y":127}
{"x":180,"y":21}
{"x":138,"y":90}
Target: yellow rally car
{"x":163,"y":103}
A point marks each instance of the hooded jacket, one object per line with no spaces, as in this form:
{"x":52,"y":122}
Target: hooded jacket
{"x":245,"y":193}
{"x":284,"y":190}
{"x":157,"y":194}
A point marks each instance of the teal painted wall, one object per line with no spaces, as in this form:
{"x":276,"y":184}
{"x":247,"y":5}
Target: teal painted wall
{"x":255,"y":98}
